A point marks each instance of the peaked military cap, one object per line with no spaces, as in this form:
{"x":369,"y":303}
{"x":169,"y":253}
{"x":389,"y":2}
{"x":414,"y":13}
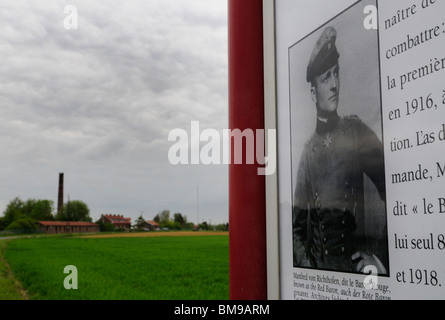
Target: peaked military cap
{"x":324,"y":55}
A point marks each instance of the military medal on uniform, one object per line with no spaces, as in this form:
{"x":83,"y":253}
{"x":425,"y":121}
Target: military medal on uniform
{"x":327,"y":141}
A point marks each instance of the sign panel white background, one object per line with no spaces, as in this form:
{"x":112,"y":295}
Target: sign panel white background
{"x":414,"y":272}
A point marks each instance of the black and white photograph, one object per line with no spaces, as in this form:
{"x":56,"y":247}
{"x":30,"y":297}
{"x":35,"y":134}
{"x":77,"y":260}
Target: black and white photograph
{"x":339,"y":220}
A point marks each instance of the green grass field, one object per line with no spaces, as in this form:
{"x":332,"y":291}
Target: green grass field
{"x":154,"y":268}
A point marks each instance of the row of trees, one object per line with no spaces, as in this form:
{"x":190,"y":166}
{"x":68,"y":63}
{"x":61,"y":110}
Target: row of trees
{"x":22,"y":215}
{"x":179,"y":222}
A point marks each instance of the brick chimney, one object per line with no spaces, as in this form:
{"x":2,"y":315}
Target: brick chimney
{"x":60,"y":198}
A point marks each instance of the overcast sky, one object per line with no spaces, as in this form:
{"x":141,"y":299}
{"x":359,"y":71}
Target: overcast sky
{"x":97,"y":103}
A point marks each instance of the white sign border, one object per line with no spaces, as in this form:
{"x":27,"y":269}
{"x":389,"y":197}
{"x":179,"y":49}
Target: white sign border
{"x":270,"y":118}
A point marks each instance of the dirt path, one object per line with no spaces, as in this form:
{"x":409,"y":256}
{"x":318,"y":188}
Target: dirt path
{"x":12,"y":288}
{"x":156,"y":234}
{"x":16,"y":237}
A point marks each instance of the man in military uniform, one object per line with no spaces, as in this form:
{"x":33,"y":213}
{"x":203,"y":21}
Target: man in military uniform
{"x":328,"y":213}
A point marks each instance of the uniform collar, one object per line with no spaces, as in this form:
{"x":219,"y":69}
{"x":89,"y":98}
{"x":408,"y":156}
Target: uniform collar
{"x":327,"y":124}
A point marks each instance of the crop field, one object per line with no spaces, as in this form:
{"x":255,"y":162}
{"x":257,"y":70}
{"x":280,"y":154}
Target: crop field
{"x":123,"y":268}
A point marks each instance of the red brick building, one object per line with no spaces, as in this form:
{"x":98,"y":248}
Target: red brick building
{"x":151,"y":225}
{"x":119,"y":221}
{"x":67,"y":227}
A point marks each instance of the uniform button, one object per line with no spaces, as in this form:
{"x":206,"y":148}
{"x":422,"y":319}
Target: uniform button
{"x":346,"y":196}
{"x":342,"y":249}
{"x":325,"y":240}
{"x":322,"y":227}
{"x":326,"y":252}
{"x":343,"y":222}
{"x":342,"y":235}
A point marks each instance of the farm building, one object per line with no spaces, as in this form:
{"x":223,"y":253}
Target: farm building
{"x":151,"y":225}
{"x":119,"y":221}
{"x":67,"y":227}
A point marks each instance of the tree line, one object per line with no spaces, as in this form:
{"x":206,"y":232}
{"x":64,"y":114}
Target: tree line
{"x":23,"y":215}
{"x":178,"y":222}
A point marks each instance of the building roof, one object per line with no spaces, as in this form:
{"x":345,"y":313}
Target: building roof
{"x":153,"y":223}
{"x":115,"y":218}
{"x":67,"y":223}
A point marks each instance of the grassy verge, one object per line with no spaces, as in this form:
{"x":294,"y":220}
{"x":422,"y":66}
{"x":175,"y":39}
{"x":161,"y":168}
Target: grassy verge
{"x":153,"y":268}
{"x":10,"y":288}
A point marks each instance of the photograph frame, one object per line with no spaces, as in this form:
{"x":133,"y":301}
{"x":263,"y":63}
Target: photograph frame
{"x":274,"y":238}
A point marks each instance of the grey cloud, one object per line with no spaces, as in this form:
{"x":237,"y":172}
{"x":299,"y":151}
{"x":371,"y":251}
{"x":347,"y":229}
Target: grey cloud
{"x":99,"y":102}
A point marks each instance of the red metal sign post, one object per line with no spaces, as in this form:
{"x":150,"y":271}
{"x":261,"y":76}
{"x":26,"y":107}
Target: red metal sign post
{"x":247,"y":207}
